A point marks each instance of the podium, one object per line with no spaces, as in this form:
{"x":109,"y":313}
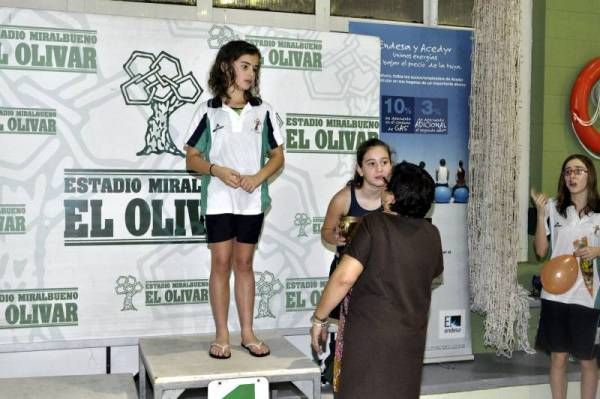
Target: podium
{"x":175,"y":363}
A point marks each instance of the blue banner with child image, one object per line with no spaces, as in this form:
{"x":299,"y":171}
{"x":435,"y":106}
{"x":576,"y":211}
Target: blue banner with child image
{"x":425,"y":84}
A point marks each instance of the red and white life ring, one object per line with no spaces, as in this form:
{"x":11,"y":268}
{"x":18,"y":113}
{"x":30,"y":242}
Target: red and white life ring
{"x":588,"y":136}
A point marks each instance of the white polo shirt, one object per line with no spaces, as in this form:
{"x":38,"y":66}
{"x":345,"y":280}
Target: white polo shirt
{"x":240,"y":142}
{"x":563,"y":232}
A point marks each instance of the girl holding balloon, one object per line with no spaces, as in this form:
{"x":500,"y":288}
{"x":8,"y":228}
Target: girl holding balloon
{"x":570,"y":314}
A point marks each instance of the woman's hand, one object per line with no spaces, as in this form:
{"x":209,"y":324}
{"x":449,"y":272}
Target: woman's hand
{"x":587,"y":253}
{"x":249,"y":182}
{"x":340,"y":240}
{"x":334,"y":236}
{"x":540,"y":200}
{"x":228,"y":176}
{"x":387,"y":200}
{"x":318,"y":337}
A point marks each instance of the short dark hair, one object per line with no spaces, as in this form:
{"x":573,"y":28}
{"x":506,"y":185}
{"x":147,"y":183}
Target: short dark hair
{"x":222,"y":74}
{"x":413,"y":189}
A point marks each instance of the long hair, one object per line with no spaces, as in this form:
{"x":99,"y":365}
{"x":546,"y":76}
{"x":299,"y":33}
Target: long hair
{"x":222,"y":73}
{"x":357,"y":180}
{"x":563,"y":197}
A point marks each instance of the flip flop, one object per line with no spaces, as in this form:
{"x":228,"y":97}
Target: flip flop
{"x":223,"y":349}
{"x":256,"y":345}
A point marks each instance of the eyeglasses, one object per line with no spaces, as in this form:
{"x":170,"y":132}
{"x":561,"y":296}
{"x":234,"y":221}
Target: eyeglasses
{"x":575,"y":171}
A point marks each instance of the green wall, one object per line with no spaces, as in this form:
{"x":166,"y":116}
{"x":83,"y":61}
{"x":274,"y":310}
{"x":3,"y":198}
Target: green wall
{"x":566,"y":35}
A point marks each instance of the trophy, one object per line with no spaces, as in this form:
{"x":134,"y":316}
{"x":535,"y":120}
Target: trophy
{"x":347,"y":227}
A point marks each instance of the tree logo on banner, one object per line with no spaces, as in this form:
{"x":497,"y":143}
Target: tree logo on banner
{"x":218,"y":35}
{"x":301,"y":220}
{"x":128,"y":286}
{"x":158,"y":81}
{"x":267,"y":286}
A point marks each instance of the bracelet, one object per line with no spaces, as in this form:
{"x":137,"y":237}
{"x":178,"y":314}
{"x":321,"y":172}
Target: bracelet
{"x":210,"y":169}
{"x":319,"y":322}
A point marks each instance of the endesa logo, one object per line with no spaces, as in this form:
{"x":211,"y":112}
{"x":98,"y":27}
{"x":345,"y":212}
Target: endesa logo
{"x":451,"y":324}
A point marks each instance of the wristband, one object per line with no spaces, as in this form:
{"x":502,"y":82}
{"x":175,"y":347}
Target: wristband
{"x":319,"y":322}
{"x":210,"y":169}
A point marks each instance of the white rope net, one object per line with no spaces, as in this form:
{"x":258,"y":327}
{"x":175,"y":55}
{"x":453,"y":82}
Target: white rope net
{"x":493,"y":217}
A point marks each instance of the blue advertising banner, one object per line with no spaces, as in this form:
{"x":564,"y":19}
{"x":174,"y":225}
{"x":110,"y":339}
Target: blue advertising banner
{"x":425,"y":87}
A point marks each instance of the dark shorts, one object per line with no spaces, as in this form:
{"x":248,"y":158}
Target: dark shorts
{"x":244,"y":228}
{"x":568,"y":328}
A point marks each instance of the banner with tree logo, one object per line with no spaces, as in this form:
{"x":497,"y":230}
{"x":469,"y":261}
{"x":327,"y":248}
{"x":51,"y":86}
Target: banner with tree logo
{"x":100,"y":228}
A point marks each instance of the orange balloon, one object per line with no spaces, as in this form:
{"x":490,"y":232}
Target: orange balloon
{"x":559,"y":274}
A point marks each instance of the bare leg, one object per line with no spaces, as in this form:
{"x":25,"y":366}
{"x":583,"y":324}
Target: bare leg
{"x":558,"y":374}
{"x":220,"y":273}
{"x":245,"y":292}
{"x":589,"y":378}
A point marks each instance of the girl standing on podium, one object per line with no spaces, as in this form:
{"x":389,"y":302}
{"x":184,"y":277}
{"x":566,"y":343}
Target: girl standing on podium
{"x":569,"y":321}
{"x":236,"y":145}
{"x":362,"y":195}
